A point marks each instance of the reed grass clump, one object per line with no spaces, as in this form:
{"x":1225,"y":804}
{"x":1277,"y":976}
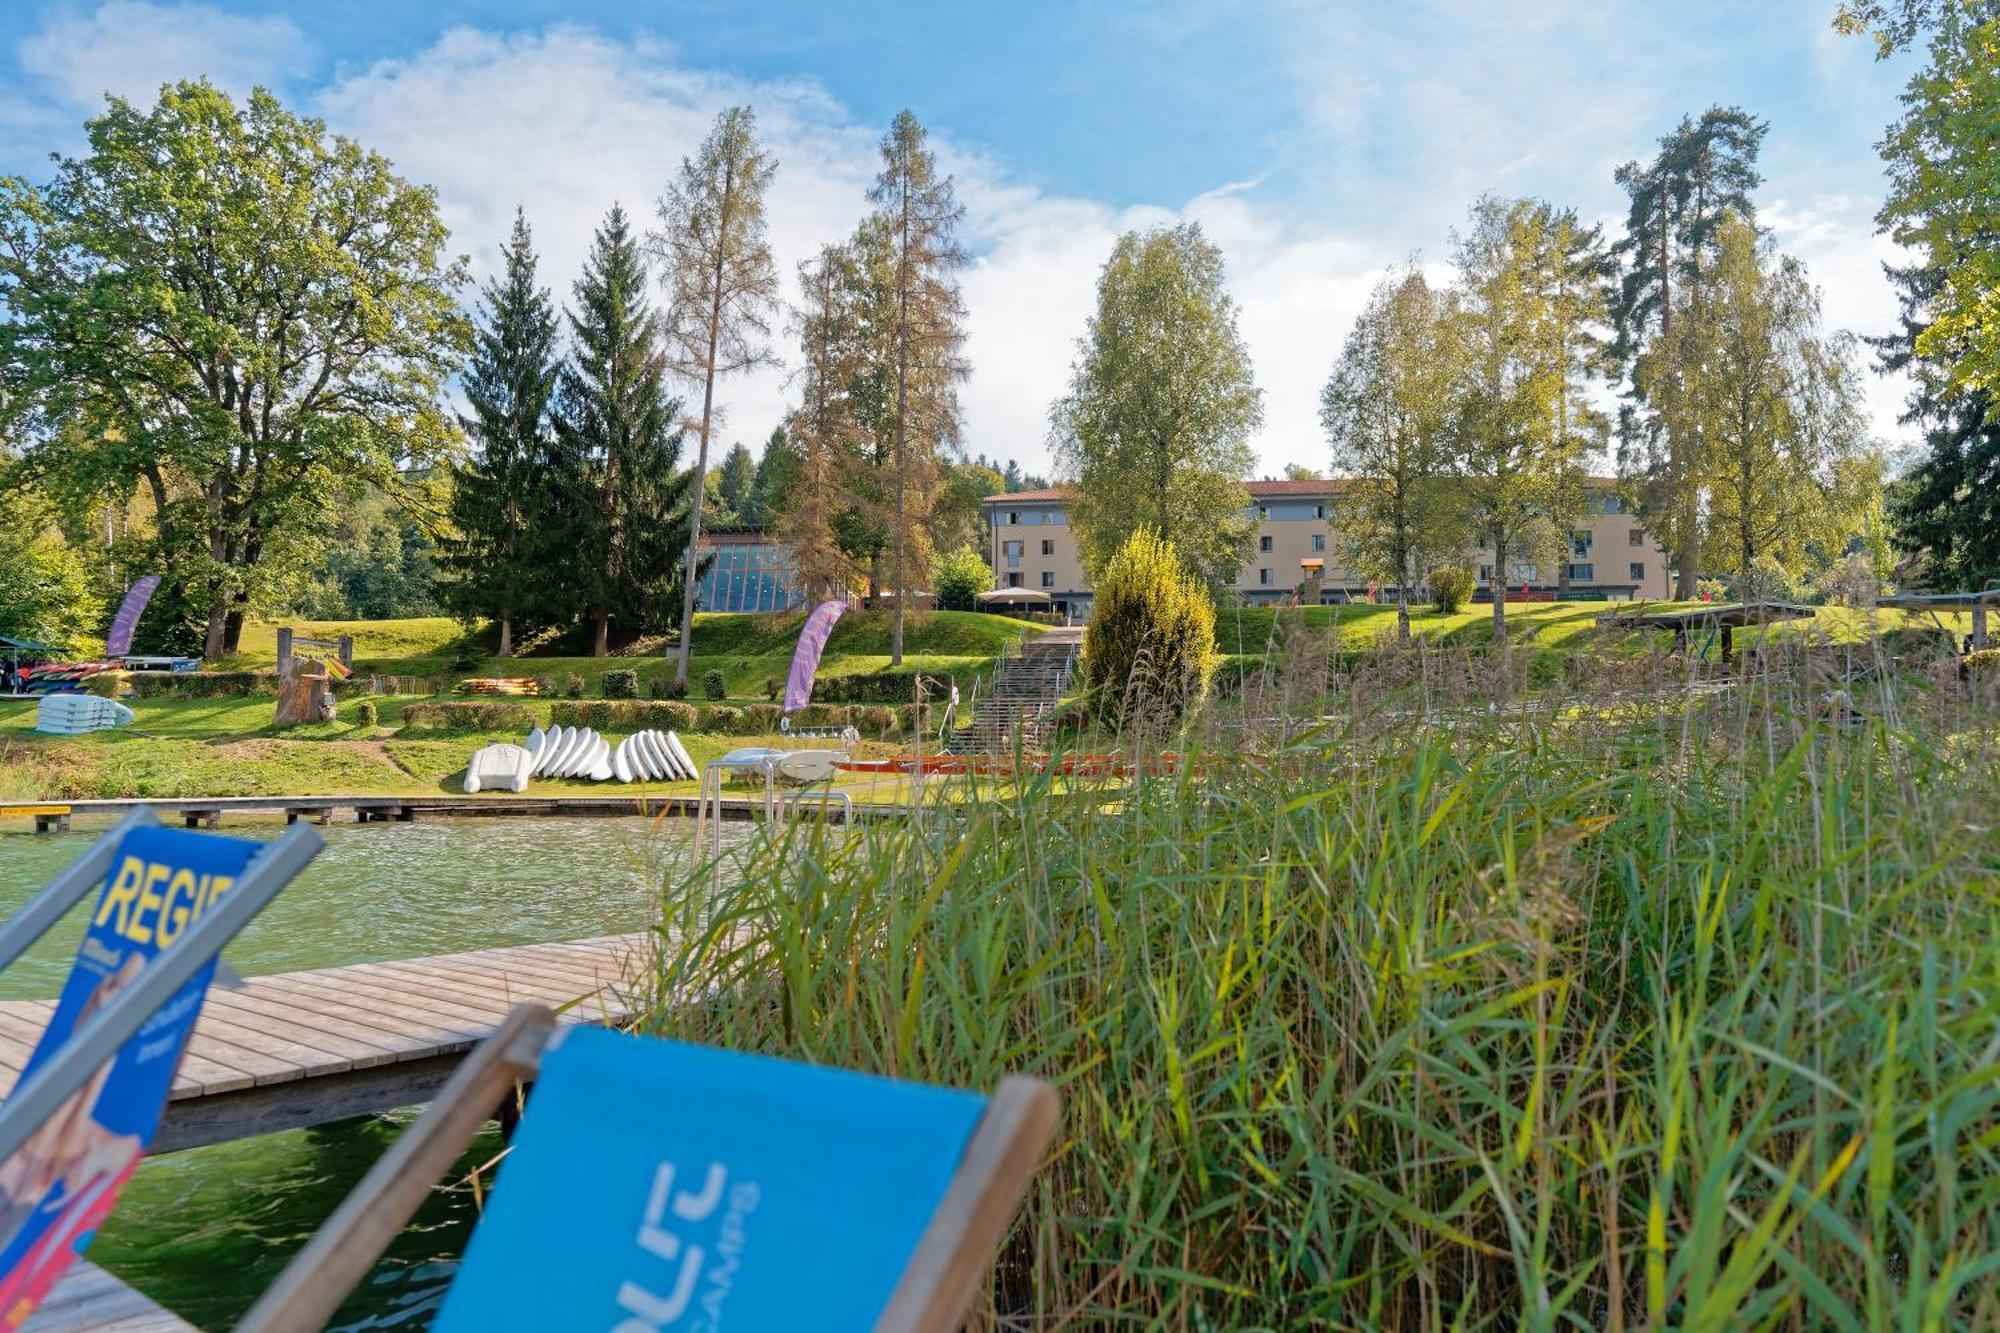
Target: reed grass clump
{"x":1609,"y":1009}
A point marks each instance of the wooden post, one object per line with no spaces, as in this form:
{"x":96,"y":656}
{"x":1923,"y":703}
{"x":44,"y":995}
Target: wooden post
{"x":1978,"y":626}
{"x":347,"y":650}
{"x":284,"y":648}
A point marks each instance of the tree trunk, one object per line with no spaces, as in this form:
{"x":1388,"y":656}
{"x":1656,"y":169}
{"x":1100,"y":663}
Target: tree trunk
{"x":506,"y":636}
{"x":218,"y":624}
{"x":900,"y":573}
{"x":601,"y":644}
{"x":1499,"y":584}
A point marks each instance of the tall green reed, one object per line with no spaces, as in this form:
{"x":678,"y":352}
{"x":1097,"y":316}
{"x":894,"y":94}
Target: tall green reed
{"x":1417,"y":998}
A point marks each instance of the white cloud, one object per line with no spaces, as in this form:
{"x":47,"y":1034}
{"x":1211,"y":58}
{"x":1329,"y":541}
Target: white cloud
{"x":131,"y":47}
{"x":1401,"y":124}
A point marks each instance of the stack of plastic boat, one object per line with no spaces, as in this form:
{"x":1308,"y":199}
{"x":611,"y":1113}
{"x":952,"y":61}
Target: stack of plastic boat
{"x":570,"y":752}
{"x":657,"y":756}
{"x":579,"y":752}
{"x":74,"y":714}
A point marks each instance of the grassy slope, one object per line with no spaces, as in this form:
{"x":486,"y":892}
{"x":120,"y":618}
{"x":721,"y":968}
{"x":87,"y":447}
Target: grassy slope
{"x":749,"y":650}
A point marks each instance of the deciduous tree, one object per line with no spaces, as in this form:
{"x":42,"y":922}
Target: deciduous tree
{"x":1155,"y":428}
{"x":1388,"y":409}
{"x":825,"y":431}
{"x":239,"y":313}
{"x":722,"y":288}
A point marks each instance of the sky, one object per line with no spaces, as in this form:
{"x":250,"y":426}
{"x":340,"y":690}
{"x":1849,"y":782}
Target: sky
{"x":1319,"y":144}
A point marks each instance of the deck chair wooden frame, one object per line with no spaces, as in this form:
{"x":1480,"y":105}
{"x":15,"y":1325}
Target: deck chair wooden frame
{"x":937,"y":1287}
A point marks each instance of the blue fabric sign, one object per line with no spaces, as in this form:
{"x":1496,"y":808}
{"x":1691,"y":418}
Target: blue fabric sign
{"x":56,"y":1190}
{"x":656,"y":1185}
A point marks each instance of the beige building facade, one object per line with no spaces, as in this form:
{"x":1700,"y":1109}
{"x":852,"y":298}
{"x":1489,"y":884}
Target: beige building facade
{"x":1296,"y":553}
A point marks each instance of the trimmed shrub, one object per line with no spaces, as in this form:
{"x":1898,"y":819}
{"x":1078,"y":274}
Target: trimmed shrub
{"x":1451,"y":587}
{"x":878,"y":721}
{"x":869,"y":687}
{"x":467,"y":715}
{"x":772,"y":687}
{"x":1150,"y":647}
{"x":713,"y":686}
{"x":673,"y":689}
{"x":721,"y":719}
{"x":366,"y":714}
{"x":574,"y":689}
{"x":621,"y":684}
{"x":623,"y":715}
{"x":761,"y":719}
{"x":959,"y":580}
{"x":105,"y":684}
{"x":1985,"y":663}
{"x":545,"y":687}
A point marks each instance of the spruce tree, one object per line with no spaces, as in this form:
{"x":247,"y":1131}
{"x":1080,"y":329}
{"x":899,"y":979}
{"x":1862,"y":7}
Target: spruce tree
{"x":739,"y":476}
{"x":626,"y":497}
{"x":777,"y":471}
{"x":498,"y":562}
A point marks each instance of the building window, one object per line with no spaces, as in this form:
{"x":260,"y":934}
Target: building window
{"x":1319,"y":511}
{"x":1013,"y":517}
{"x":1638,"y":571}
{"x":1048,"y":547}
{"x":1524,"y":571}
{"x":1013,"y":580}
{"x":1486,"y":573}
{"x":1059,"y":517}
{"x":1263,"y":543}
{"x":1263,"y":511}
{"x":1319,"y":541}
{"x":1264,"y":576}
{"x":1638,"y":536}
{"x":1581,"y":541}
{"x":1048,"y":578}
{"x":1012,"y":550}
{"x":1582,"y":573}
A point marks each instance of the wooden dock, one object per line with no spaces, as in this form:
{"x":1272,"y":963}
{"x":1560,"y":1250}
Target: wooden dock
{"x":302,"y":1048}
{"x":207,"y":811}
{"x":90,"y":1298}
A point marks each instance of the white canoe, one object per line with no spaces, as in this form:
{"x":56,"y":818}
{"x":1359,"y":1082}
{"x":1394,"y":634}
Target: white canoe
{"x":621,"y":761}
{"x":599,"y":769}
{"x":572,"y":750}
{"x":502,"y":767}
{"x":533,"y":745}
{"x":640,"y":758}
{"x":681,"y":756}
{"x":660,"y":760}
{"x":552,"y":741}
{"x":74,"y":714}
{"x":579,"y":756}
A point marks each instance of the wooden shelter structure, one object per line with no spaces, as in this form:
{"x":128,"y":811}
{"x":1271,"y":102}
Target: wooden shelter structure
{"x":1719,"y":621}
{"x":1975,"y":602}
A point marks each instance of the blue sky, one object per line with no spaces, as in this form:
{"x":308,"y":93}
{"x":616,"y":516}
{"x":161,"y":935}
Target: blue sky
{"x":1318,"y":144}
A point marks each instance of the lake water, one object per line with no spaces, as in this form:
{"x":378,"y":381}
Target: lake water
{"x":204,"y":1231}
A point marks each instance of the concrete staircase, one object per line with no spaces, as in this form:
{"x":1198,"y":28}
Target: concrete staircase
{"x":1024,"y":690}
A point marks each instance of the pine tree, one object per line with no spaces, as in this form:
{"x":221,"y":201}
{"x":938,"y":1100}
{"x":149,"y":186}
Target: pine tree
{"x":920,"y":339}
{"x":1705,"y":171}
{"x":739,"y":475}
{"x":723,"y":286}
{"x":825,"y":432}
{"x":627,"y":503}
{"x":777,"y":472}
{"x":500,"y":568}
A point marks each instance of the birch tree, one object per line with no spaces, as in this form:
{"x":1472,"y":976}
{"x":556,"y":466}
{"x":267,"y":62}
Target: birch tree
{"x":722,"y":289}
{"x":1388,"y":412}
{"x":1155,"y":428}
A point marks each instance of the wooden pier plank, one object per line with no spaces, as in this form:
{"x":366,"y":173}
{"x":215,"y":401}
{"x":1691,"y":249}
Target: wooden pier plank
{"x":299,"y":1048}
{"x":90,"y":1298}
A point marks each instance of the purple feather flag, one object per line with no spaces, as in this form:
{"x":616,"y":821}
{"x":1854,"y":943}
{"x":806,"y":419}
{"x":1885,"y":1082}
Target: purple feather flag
{"x":127,"y":620}
{"x":805,"y":661}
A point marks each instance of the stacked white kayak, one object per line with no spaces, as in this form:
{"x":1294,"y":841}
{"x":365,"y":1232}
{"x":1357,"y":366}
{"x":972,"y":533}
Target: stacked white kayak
{"x":570,"y":752}
{"x":502,"y":767}
{"x":656,"y":756}
{"x":74,"y":714}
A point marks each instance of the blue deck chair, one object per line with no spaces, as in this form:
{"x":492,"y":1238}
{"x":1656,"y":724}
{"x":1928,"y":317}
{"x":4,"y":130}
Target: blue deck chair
{"x":93,"y":1091}
{"x":655,"y":1185}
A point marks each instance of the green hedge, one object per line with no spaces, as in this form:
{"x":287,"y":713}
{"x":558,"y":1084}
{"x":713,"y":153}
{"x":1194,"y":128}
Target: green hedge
{"x":468,"y":715}
{"x":205,"y":685}
{"x":631,"y":715}
{"x":869,"y":687}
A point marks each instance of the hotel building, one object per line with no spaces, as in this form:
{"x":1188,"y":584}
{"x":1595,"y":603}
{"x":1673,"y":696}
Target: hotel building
{"x":1295,"y":551}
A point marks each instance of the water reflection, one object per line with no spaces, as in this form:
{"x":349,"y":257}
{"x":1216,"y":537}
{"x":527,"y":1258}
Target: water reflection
{"x":203,"y":1232}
